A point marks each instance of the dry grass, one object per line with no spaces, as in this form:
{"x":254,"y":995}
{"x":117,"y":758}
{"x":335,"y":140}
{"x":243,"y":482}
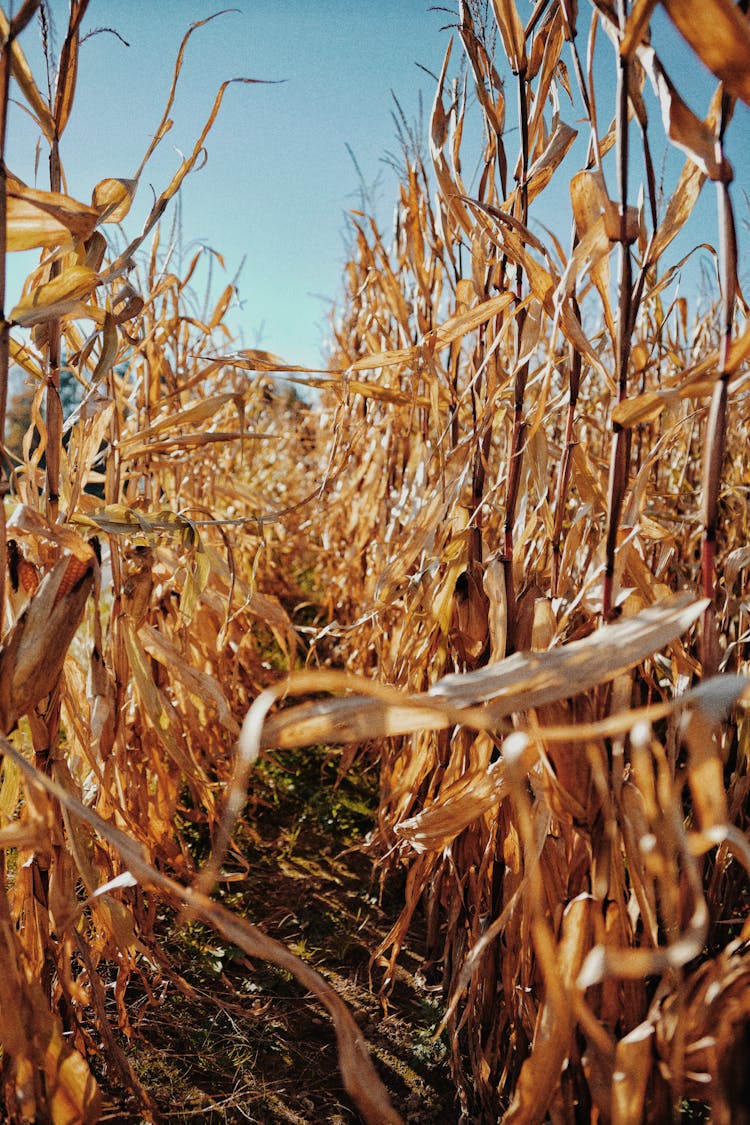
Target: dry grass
{"x":518,"y":517}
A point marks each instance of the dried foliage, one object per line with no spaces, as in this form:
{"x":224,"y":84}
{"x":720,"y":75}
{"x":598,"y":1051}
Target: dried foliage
{"x":521,"y":507}
{"x":146,"y":577}
{"x":543,"y":440}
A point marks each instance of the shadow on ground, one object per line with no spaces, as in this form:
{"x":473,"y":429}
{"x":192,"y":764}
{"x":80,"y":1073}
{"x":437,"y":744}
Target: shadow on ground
{"x":234,"y":1040}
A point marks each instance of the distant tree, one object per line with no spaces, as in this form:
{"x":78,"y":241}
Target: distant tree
{"x":18,"y":418}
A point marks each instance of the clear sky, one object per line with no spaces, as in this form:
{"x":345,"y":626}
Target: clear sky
{"x":279,"y":179}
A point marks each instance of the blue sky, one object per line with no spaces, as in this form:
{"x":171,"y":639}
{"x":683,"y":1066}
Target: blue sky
{"x":279,"y":179}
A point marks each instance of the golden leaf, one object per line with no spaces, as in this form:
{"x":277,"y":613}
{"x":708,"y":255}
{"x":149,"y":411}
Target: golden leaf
{"x":45,"y":218}
{"x":32,"y":655}
{"x":113,"y":198}
{"x":56,"y":298}
{"x":718,"y":32}
{"x":511,"y":30}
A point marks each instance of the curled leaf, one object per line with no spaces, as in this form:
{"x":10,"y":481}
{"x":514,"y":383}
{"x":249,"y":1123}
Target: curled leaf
{"x":113,"y":198}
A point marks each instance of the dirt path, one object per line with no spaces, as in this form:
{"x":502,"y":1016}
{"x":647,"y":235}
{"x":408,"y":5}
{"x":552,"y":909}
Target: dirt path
{"x":238,"y":1041}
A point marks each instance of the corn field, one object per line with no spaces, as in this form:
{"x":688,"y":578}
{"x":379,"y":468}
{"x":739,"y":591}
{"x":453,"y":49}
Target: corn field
{"x":514,"y":511}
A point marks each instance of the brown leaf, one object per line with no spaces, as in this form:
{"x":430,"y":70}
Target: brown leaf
{"x":517,"y":683}
{"x":696,"y":382}
{"x":56,"y":298}
{"x":45,"y":218}
{"x":32,"y":655}
{"x":636,"y":26}
{"x":457,"y":805}
{"x":198,"y":411}
{"x":157,"y":708}
{"x":22,"y":73}
{"x":199,"y":683}
{"x":186,"y":167}
{"x":718,"y":32}
{"x":113,"y":198}
{"x":540,"y":1073}
{"x":682,"y":126}
{"x":511,"y":29}
{"x":454,"y":328}
{"x":360,"y":1078}
{"x":67,"y":68}
{"x":541,"y":171}
{"x":643,"y":408}
{"x":74,"y":1095}
{"x":679,"y":207}
{"x":633,"y":1061}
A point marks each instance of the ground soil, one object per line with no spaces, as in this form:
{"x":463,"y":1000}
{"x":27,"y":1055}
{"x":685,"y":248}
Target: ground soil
{"x":235,"y":1041}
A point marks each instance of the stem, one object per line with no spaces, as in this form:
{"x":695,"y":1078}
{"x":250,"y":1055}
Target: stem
{"x":54,"y":411}
{"x":620,"y":456}
{"x":716,"y":432}
{"x":4,"y":329}
{"x":17,"y":24}
{"x":519,"y":425}
{"x":54,"y":419}
{"x":563,"y":479}
{"x":569,"y":27}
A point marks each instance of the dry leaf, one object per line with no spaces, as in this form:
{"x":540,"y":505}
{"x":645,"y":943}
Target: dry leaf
{"x":33,"y":652}
{"x":718,"y":32}
{"x":45,"y":218}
